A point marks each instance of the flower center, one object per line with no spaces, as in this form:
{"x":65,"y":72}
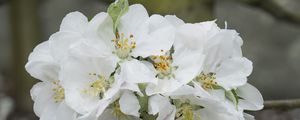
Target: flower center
{"x":207,"y":80}
{"x":123,"y":45}
{"x":163,"y":65}
{"x":185,"y":112}
{"x":117,"y":110}
{"x":59,"y":92}
{"x":98,"y":87}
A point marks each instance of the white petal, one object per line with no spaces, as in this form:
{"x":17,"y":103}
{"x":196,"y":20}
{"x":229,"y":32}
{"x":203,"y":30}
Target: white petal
{"x":191,"y":36}
{"x":233,"y":110}
{"x":107,"y":115}
{"x":41,"y":64}
{"x":131,"y":86}
{"x":100,"y":31}
{"x":223,"y":45}
{"x":129,"y":104}
{"x":249,"y":117}
{"x":163,"y":86}
{"x":97,"y":38}
{"x":96,"y":112}
{"x":88,"y":116}
{"x":162,"y":106}
{"x":175,"y":21}
{"x":218,"y":94}
{"x":210,"y":104}
{"x":79,"y":103}
{"x":206,"y":114}
{"x":60,"y":43}
{"x":114,"y":89}
{"x":156,"y":102}
{"x":200,"y":91}
{"x":41,"y":53}
{"x":74,"y":22}
{"x":158,"y":22}
{"x":64,"y":112}
{"x":103,"y":104}
{"x":97,"y":49}
{"x":49,"y":112}
{"x":75,"y":79}
{"x":134,"y":71}
{"x":183,"y":90}
{"x":42,"y":70}
{"x":189,"y":64}
{"x":36,"y":89}
{"x":252,"y":99}
{"x":233,"y":72}
{"x":41,"y":93}
{"x":210,"y":28}
{"x":167,"y":114}
{"x":156,"y":42}
{"x":134,"y":22}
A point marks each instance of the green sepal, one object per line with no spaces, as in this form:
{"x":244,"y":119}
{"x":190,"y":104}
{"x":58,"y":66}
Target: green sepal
{"x":143,"y":100}
{"x":216,"y":87}
{"x":116,"y":10}
{"x":232,"y":96}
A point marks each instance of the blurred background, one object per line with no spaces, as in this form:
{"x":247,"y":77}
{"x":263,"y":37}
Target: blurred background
{"x":270,"y":30}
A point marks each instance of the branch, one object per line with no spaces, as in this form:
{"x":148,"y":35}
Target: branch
{"x":274,"y":9}
{"x":282,"y":104}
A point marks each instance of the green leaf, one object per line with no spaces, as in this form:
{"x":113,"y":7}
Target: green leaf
{"x":231,"y":95}
{"x":116,"y":10}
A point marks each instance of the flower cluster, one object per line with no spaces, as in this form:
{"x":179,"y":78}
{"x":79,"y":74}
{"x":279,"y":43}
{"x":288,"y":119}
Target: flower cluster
{"x":127,"y":65}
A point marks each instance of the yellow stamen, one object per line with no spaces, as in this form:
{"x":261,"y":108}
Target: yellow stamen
{"x":186,"y":112}
{"x":163,"y":65}
{"x":117,"y":110}
{"x":98,"y":87}
{"x":207,"y":80}
{"x":59,"y":92}
{"x":124,"y":45}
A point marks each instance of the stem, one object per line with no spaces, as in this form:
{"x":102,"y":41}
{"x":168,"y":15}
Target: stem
{"x":282,"y":104}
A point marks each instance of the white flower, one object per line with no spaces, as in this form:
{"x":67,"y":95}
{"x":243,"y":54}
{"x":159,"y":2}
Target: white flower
{"x":49,"y":102}
{"x":70,"y":32}
{"x":251,"y":100}
{"x":175,"y":70}
{"x":48,"y":96}
{"x":88,"y":84}
{"x":124,"y":105}
{"x":184,"y":105}
{"x":138,"y":35}
{"x":224,"y":65}
{"x":44,"y":64}
{"x":125,"y":64}
{"x":90,"y":87}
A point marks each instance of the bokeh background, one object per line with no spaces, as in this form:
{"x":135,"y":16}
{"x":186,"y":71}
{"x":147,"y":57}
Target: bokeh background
{"x":270,"y":30}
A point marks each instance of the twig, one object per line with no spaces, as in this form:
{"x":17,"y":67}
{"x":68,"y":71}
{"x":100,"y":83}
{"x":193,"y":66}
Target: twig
{"x":274,"y":9}
{"x":282,"y":104}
